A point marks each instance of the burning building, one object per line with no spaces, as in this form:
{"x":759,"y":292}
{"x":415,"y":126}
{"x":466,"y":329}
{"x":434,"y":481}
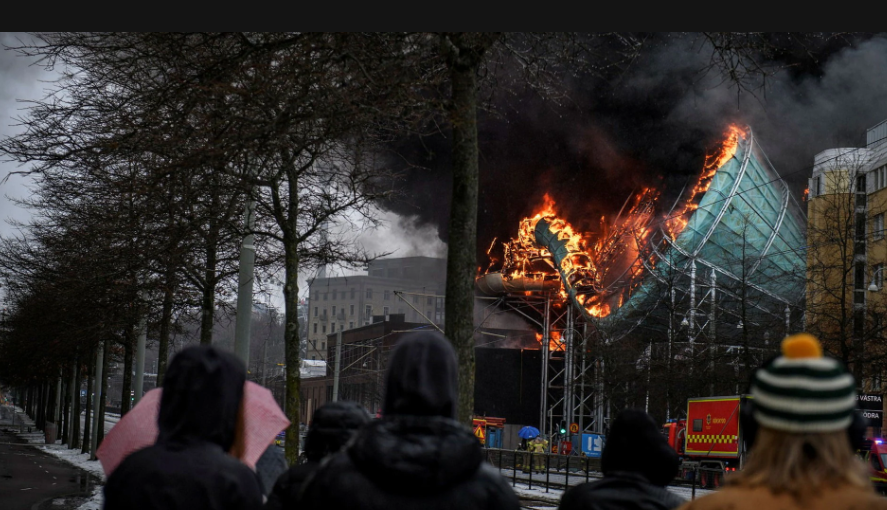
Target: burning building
{"x":721,"y":263}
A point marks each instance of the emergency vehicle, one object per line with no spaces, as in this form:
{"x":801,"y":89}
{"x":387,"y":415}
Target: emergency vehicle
{"x":875,"y":456}
{"x":710,"y":440}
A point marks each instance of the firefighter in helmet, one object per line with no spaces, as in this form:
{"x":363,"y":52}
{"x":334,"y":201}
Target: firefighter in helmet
{"x":538,"y":446}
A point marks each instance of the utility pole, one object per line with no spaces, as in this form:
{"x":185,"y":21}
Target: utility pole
{"x":338,"y":366}
{"x":245,"y":284}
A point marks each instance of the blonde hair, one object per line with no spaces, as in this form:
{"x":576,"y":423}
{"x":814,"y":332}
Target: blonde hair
{"x":801,"y":463}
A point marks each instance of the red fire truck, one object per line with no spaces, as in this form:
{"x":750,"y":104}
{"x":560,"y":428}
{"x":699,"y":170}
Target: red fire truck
{"x":875,"y":455}
{"x":709,"y":440}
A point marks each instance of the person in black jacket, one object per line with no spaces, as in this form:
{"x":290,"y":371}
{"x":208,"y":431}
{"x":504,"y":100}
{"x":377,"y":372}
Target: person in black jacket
{"x":333,"y":425}
{"x":193,"y":465}
{"x":637,"y":463}
{"x":416,"y":456}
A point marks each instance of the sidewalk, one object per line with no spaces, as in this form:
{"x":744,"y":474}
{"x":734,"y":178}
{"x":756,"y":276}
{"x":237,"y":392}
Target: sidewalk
{"x":36,"y":439}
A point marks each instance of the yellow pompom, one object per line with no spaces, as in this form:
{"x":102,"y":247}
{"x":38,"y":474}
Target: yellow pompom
{"x":801,"y":345}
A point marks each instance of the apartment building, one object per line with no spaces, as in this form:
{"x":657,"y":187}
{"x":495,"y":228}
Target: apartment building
{"x":846,"y":254}
{"x":411,"y":286}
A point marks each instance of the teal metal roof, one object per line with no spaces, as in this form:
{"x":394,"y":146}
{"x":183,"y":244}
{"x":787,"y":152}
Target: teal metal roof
{"x":748,"y":228}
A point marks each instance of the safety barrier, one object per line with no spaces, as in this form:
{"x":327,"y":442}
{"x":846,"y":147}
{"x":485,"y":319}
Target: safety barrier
{"x":561,"y":471}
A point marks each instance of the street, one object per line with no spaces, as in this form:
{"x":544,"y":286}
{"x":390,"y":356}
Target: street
{"x":30,"y":478}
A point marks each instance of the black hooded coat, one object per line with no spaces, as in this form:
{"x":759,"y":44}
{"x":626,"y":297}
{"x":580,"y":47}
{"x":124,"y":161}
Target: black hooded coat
{"x":417,"y":456}
{"x":637,"y":463}
{"x":331,"y":427}
{"x":188,"y":468}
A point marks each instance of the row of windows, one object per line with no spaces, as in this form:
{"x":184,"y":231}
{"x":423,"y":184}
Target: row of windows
{"x":386,"y":295}
{"x":333,"y":311}
{"x":368,"y":315}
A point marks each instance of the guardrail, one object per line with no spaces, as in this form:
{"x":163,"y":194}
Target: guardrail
{"x":561,"y":471}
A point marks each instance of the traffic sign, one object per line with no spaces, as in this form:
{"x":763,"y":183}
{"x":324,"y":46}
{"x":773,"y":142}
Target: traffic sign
{"x":479,"y":433}
{"x":574,"y":428}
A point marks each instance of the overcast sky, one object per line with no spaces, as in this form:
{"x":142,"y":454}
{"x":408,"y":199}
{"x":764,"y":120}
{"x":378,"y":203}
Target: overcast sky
{"x":21,"y":80}
{"x":18,"y":80}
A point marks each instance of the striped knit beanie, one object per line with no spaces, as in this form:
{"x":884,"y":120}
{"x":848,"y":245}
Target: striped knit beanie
{"x":802,"y":391}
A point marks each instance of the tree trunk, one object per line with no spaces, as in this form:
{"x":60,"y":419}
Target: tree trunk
{"x":103,"y":384}
{"x":291,"y":352}
{"x":75,"y":411}
{"x":125,"y":393}
{"x":90,"y":372}
{"x":64,"y":416}
{"x":210,"y":280}
{"x":208,"y":302}
{"x":40,"y":422}
{"x":462,"y":238}
{"x":291,"y":340}
{"x":165,"y":323}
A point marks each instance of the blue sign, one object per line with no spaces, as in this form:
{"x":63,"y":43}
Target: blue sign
{"x":593,"y":444}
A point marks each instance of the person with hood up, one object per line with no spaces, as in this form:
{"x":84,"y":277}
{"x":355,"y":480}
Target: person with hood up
{"x":333,"y":425}
{"x":194,"y":464}
{"x":801,"y":453}
{"x":637,"y":463}
{"x":416,"y":456}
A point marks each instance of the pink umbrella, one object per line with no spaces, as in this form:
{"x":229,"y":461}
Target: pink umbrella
{"x":263,"y":419}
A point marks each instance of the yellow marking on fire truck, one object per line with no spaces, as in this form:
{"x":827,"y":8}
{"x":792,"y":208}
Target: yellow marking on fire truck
{"x":709,"y":438}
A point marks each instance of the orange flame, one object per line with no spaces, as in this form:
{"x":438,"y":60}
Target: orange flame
{"x":620,"y":243}
{"x":678,"y":221}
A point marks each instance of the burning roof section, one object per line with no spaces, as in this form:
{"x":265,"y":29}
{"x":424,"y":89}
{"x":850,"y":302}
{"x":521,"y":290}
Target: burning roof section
{"x":738,"y":221}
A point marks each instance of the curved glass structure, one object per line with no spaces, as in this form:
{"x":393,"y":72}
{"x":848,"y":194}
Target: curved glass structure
{"x":746,"y":240}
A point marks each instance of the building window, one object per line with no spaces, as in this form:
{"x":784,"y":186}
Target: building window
{"x":333,"y":327}
{"x":313,"y":357}
{"x":878,"y":227}
{"x":323,"y":329}
{"x":881,"y":178}
{"x":315,"y":327}
{"x":317,"y":296}
{"x":350,"y":325}
{"x":369,"y":293}
{"x":352,"y":309}
{"x":322,"y":345}
{"x":326,"y":296}
{"x":878,"y":275}
{"x":315,"y":311}
{"x":385,"y":312}
{"x":387,"y":295}
{"x":430,"y":301}
{"x":334,"y":294}
{"x":334,"y":310}
{"x":368,"y":312}
{"x":353,"y":292}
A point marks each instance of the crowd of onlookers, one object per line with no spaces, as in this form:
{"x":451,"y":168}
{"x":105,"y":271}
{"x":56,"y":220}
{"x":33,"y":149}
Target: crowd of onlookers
{"x":801,"y":429}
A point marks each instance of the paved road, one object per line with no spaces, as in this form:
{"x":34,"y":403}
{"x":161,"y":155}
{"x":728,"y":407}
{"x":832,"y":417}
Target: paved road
{"x":29,"y":477}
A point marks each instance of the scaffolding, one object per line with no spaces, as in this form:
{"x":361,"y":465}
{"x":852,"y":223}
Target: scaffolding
{"x":738,"y":264}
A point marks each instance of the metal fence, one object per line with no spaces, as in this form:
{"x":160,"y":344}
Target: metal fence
{"x":562,"y":471}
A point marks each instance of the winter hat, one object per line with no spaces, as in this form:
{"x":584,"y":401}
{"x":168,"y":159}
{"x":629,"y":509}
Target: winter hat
{"x":803,"y":391}
{"x":635,"y":435}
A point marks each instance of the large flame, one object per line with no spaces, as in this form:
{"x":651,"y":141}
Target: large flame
{"x":600,"y":270}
